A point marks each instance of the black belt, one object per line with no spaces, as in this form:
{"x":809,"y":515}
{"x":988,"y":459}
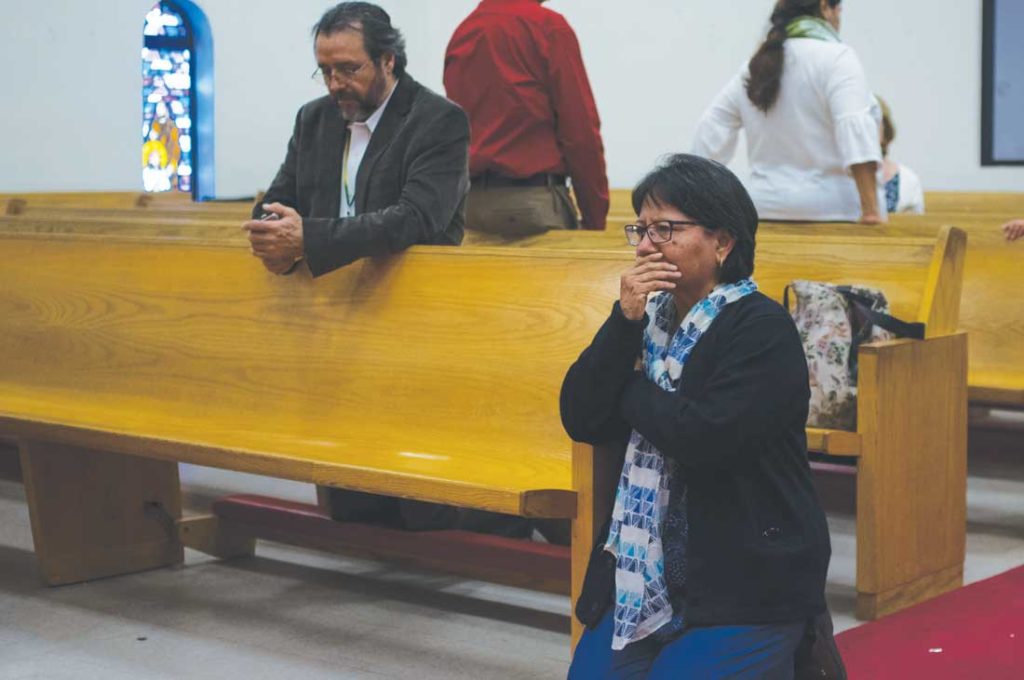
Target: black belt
{"x":541,"y":179}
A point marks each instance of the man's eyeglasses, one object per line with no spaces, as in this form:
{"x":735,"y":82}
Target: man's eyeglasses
{"x":341,"y":71}
{"x":659,"y":232}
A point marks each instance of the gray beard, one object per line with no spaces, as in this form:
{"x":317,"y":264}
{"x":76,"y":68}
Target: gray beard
{"x":368,"y":104}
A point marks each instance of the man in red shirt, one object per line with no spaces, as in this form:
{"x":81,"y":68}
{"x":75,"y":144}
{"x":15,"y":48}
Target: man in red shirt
{"x":516,"y":69}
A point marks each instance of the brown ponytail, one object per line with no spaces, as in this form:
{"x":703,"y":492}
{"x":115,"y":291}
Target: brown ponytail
{"x":766,"y":65}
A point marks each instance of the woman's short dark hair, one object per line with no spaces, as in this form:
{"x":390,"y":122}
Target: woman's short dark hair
{"x":379,"y":36}
{"x":711,"y":194}
{"x":767,"y":63}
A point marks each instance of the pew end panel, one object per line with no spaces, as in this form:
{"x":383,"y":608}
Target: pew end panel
{"x":96,"y":514}
{"x":912,"y":473}
{"x":940,"y":302}
{"x":595,"y":473}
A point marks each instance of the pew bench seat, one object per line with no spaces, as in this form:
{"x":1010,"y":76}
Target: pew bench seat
{"x":394,"y":455}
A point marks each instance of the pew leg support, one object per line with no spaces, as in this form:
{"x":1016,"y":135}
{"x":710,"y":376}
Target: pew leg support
{"x":10,"y":462}
{"x":88,"y":511}
{"x":595,"y":472}
{"x":211,"y":535}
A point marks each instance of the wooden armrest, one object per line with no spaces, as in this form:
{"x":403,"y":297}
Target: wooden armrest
{"x":833,"y":442}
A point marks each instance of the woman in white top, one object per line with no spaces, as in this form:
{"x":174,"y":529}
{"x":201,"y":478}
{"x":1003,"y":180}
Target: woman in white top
{"x":903,"y":190}
{"x":811,"y":121}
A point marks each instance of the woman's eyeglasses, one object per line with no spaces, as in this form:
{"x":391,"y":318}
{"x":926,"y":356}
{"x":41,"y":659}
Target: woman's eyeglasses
{"x":659,"y":232}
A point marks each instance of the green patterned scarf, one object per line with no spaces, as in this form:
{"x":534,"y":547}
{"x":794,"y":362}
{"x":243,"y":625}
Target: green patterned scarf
{"x":811,"y":27}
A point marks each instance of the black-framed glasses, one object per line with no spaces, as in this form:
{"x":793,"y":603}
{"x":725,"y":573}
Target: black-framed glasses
{"x":659,"y":232}
{"x":342,"y":71}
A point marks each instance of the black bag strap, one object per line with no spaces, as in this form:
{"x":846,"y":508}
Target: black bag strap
{"x":863,"y":305}
{"x":898,"y":327}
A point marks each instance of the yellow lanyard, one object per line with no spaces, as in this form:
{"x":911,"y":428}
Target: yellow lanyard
{"x":348,"y":196}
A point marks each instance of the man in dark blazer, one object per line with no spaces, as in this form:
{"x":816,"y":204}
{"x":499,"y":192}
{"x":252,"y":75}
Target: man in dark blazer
{"x":377,"y":165}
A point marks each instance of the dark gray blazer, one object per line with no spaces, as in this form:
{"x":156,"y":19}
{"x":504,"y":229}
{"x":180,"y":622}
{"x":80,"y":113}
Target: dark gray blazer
{"x":410,"y":189}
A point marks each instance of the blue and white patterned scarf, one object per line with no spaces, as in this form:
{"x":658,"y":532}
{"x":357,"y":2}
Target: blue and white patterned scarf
{"x":641,"y":595}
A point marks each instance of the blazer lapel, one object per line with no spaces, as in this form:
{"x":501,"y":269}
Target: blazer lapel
{"x":392,"y":120}
{"x":336,"y":131}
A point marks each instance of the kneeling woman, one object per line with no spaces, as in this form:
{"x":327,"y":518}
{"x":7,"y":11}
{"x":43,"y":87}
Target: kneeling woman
{"x":717,"y":547}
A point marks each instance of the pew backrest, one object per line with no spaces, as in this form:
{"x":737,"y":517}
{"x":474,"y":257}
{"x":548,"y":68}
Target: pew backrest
{"x":53,"y":203}
{"x":441,"y":367}
{"x":1002,"y":206}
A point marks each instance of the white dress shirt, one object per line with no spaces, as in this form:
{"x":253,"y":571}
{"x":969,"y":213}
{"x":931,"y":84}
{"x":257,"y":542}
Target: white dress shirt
{"x":358,"y":141}
{"x":824,"y":121}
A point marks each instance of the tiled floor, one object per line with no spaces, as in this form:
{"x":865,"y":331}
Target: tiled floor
{"x":292,"y":613}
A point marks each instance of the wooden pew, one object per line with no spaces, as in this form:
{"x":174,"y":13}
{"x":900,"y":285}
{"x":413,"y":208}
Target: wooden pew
{"x":96,"y":199}
{"x":1004,"y":205}
{"x":992,"y":310}
{"x":620,"y":204}
{"x":997,"y":351}
{"x":128,"y":224}
{"x":125,"y":355}
{"x":122,"y":357}
{"x":998,"y":205}
{"x":203,"y":212}
{"x":170,"y":200}
{"x":990,"y":313}
{"x":169,"y":204}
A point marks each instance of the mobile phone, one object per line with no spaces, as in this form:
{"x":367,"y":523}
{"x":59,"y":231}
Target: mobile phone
{"x":268,"y":216}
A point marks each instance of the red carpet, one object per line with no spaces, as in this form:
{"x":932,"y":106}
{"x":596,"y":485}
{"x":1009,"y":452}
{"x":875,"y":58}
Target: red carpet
{"x":976,"y":632}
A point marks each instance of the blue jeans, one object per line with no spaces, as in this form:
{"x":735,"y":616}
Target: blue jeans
{"x":703,"y":653}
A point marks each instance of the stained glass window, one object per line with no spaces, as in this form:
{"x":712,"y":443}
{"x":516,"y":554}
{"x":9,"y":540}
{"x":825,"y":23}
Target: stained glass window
{"x":167,"y":100}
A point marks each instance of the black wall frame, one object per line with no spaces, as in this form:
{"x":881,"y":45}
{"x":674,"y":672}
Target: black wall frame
{"x":988,"y":88}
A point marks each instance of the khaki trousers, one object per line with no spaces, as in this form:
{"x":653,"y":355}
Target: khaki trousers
{"x":520,"y":211}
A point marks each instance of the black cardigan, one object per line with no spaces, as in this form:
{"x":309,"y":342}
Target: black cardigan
{"x":758,"y":546}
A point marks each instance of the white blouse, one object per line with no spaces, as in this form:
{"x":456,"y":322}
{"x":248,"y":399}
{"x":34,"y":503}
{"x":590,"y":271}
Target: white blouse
{"x":800,"y":152}
{"x":911,"y":192}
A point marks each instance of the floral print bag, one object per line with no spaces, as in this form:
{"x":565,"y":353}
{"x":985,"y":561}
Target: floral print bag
{"x":833,"y":321}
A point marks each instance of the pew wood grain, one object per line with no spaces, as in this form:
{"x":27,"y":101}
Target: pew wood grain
{"x":382,"y":378}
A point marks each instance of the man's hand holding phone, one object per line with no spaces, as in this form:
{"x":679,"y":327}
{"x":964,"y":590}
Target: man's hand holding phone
{"x":276,"y":238}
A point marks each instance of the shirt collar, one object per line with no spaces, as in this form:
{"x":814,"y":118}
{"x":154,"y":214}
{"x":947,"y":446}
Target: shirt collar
{"x":374,"y":119}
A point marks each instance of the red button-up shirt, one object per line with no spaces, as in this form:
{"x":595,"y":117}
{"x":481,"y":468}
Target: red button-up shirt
{"x":516,"y":68}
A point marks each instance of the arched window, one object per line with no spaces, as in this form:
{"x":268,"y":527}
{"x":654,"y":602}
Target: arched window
{"x":177,"y":109}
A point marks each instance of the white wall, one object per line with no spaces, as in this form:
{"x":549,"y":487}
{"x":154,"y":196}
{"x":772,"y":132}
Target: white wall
{"x":71,"y":76}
